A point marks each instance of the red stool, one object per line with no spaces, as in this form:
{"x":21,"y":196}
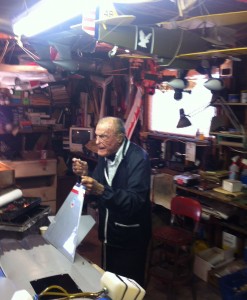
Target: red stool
{"x":172,"y":255}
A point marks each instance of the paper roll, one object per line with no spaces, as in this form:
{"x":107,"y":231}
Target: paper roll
{"x":10,"y":196}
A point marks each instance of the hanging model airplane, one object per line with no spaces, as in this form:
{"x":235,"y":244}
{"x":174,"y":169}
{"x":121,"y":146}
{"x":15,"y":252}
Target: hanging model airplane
{"x":71,"y":48}
{"x":206,"y":21}
{"x":22,"y":77}
{"x":176,"y":44}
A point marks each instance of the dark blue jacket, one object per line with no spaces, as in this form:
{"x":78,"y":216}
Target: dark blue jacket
{"x":124,"y":207}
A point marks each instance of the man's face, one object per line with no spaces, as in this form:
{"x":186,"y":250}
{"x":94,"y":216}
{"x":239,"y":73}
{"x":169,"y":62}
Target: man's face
{"x":107,"y":141}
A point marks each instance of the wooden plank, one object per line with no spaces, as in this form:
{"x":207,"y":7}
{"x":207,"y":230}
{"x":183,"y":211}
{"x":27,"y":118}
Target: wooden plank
{"x":7,"y":176}
{"x":34,"y":168}
{"x":231,"y":144}
{"x":46,"y":193}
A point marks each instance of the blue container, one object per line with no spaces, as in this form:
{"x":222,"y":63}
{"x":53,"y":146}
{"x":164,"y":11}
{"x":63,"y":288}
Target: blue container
{"x":234,"y":286}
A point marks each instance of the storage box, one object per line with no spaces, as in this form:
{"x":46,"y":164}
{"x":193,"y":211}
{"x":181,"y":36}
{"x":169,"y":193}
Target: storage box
{"x":215,"y":274}
{"x":211,"y":258}
{"x":229,"y":241}
{"x":7,"y":176}
{"x":232,"y":185}
{"x":234,"y":286}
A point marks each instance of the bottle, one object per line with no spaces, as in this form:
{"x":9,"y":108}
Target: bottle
{"x":197,"y":134}
{"x":245,"y":251}
{"x":243,"y":176}
{"x":234,"y":168}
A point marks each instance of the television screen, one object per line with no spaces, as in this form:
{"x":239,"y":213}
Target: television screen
{"x":79,"y":137}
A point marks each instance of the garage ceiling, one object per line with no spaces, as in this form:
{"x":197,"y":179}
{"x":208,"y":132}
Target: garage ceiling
{"x":151,"y":13}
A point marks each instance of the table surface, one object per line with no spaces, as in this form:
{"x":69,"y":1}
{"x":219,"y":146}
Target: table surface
{"x":33,"y":258}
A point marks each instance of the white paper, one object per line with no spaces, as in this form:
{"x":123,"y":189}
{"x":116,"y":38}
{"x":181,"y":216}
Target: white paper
{"x":190,"y":151}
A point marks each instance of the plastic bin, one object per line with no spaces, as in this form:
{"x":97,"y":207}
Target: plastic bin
{"x":234,"y":286}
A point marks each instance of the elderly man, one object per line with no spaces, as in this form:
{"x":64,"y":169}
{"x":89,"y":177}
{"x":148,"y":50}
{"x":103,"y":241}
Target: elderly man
{"x":120,"y":185}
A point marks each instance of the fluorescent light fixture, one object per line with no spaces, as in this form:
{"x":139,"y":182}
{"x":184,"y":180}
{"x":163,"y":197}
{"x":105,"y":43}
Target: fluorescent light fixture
{"x":47,"y":14}
{"x":134,"y":1}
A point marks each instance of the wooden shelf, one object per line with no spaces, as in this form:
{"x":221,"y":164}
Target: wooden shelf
{"x":230,"y":104}
{"x":25,"y":105}
{"x":230,"y":139}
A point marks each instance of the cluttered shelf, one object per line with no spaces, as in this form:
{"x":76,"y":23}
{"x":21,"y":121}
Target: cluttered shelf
{"x":231,"y":139}
{"x":239,"y":200}
{"x":220,"y":211}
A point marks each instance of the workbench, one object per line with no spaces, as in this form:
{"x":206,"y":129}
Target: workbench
{"x":32,"y":258}
{"x":225,"y":213}
{"x":37,"y":178}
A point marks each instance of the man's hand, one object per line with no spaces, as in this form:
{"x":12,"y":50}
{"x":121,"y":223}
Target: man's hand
{"x":92,"y":186}
{"x":79,"y":167}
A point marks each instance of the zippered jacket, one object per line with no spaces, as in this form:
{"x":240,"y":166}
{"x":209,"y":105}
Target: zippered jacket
{"x":124,"y":208}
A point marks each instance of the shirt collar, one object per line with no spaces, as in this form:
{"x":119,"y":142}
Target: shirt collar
{"x":115,"y":157}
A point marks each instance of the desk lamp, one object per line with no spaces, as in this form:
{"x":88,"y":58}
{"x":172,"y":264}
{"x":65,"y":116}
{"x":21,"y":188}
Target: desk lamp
{"x":183,"y":121}
{"x":178,"y":84}
{"x":216,"y":85}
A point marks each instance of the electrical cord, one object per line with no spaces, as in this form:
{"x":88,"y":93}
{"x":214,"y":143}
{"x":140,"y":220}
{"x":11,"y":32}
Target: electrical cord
{"x":58,"y":291}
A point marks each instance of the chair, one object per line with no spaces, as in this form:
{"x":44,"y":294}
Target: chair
{"x":172,"y":257}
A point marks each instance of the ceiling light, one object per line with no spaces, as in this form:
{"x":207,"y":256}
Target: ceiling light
{"x":134,"y":1}
{"x":45,"y":15}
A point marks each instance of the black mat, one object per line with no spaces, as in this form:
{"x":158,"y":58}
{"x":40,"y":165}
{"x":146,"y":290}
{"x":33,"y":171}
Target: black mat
{"x":63,"y":280}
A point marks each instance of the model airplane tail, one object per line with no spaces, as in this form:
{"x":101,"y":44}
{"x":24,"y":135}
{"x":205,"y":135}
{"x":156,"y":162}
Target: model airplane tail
{"x":69,"y":227}
{"x":108,"y":15}
{"x":88,"y":21}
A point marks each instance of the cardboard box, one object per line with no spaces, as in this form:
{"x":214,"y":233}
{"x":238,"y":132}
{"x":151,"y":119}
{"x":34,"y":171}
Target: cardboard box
{"x":7,"y":176}
{"x":211,"y":258}
{"x":216,"y":273}
{"x":232,"y":185}
{"x":229,"y":241}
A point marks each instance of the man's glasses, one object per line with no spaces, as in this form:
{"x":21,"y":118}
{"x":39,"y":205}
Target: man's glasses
{"x":102,"y":137}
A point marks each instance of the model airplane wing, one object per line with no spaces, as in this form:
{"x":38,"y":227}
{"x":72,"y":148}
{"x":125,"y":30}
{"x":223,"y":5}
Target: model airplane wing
{"x":214,"y":53}
{"x":12,"y":75}
{"x":66,"y":43}
{"x":205,"y":21}
{"x":108,"y":15}
{"x":122,"y":20}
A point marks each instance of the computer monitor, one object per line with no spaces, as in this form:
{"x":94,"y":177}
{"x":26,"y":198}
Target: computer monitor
{"x":79,"y":137}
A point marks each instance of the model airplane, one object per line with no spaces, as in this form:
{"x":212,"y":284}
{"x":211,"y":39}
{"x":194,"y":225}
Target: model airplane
{"x":206,"y":21}
{"x":108,"y":16}
{"x":214,"y":53}
{"x":70,"y":46}
{"x":23,"y":77}
{"x":176,"y":44}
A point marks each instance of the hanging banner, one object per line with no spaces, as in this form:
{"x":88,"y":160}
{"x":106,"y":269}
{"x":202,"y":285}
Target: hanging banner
{"x":134,"y":113}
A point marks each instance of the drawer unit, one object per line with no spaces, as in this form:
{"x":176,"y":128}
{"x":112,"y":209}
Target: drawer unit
{"x":37,"y":178}
{"x":33,"y":168}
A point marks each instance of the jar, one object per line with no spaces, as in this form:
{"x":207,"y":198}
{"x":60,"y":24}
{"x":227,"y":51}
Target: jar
{"x":233,"y":98}
{"x":244,"y":96}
